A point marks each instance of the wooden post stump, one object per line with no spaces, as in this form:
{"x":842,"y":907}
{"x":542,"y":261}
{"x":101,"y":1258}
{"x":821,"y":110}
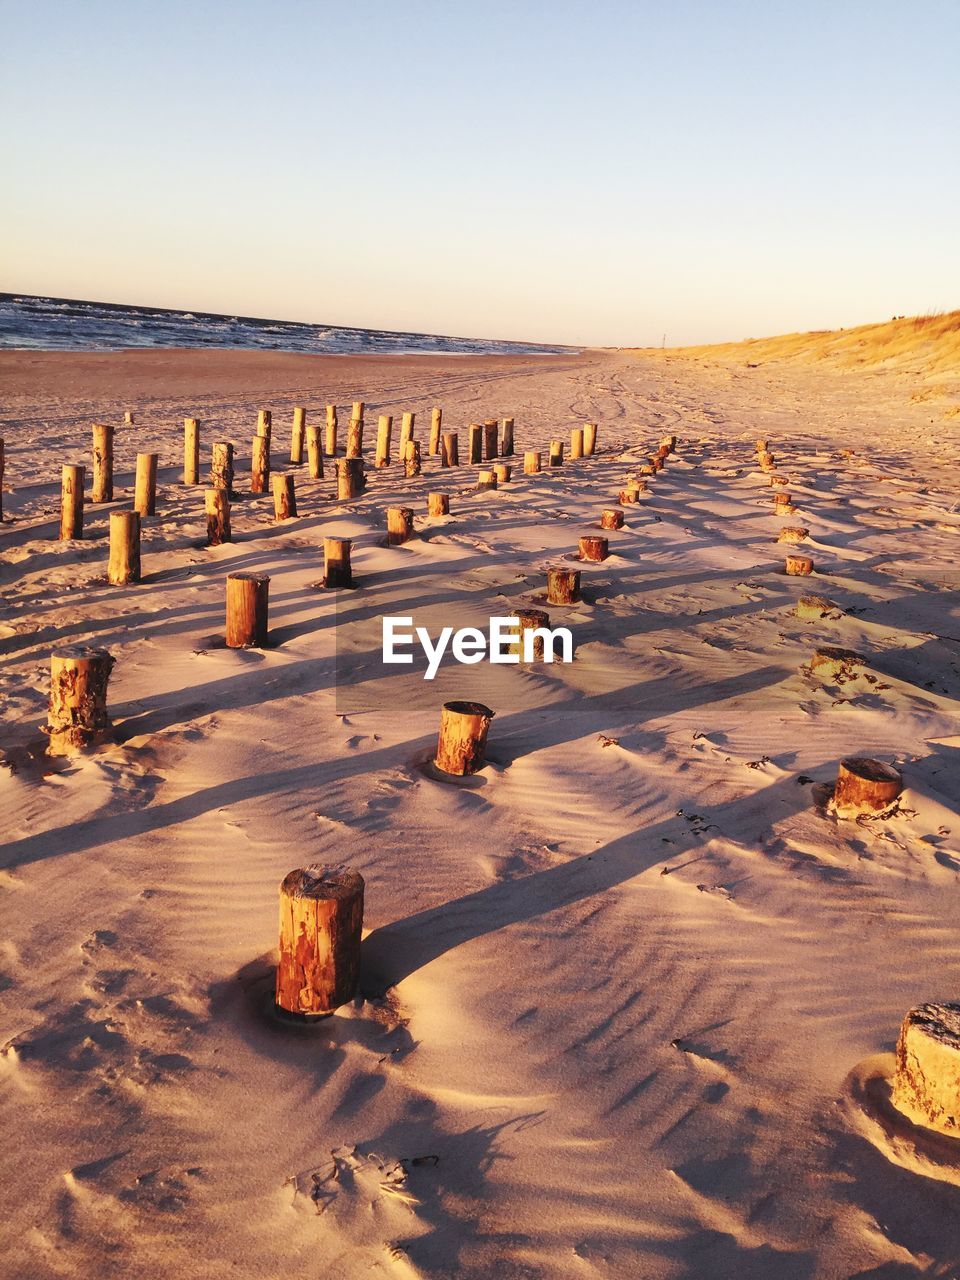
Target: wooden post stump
{"x":399,"y":525}
{"x":563,"y":585}
{"x":610,"y":518}
{"x":450,"y":449}
{"x":357,"y":411}
{"x":490,"y":439}
{"x":646,"y":469}
{"x":793,"y":533}
{"x":331,"y":430}
{"x":503,"y":472}
{"x":384,"y":434}
{"x":247,"y":602}
{"x":221,"y":466}
{"x":321,"y":922}
{"x":265,"y":423}
{"x":531,"y":620}
{"x":576,"y":442}
{"x":71,"y":502}
{"x":314,"y":452}
{"x":926,"y":1080}
{"x":865,"y":786}
{"x":297,"y":435}
{"x":128,"y":417}
{"x":486,"y":480}
{"x":77,"y":716}
{"x":629,"y":495}
{"x":556,"y":453}
{"x":798,"y":566}
{"x":506,"y":438}
{"x":476,"y":443}
{"x":124,"y":563}
{"x":438,"y":504}
{"x":284,"y":498}
{"x":589,"y":439}
{"x":781,"y":500}
{"x":669,"y":443}
{"x":355,"y":438}
{"x":761,"y":446}
{"x":436,"y":426}
{"x":217,"y":506}
{"x":336,"y":563}
{"x":350,"y":480}
{"x":101,"y":488}
{"x":813,"y":608}
{"x":832,"y":663}
{"x":411,"y":459}
{"x":260,"y":465}
{"x":531,"y":462}
{"x":593,"y":547}
{"x":461,"y":747}
{"x":407,"y":424}
{"x":191,"y":451}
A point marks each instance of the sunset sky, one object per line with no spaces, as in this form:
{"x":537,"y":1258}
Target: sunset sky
{"x":604,"y":173}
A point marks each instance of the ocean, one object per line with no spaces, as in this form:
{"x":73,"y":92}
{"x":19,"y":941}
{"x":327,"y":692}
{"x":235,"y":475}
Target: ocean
{"x":59,"y":324}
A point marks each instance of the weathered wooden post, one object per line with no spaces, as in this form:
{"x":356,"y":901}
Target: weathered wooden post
{"x":782,"y":501}
{"x":217,"y":507}
{"x":798,"y":566}
{"x":321,"y":922}
{"x":761,"y":446}
{"x":556,"y":453}
{"x":128,"y":417}
{"x":124,"y":563}
{"x":297,"y":435}
{"x":865,"y":786}
{"x":610,"y":518}
{"x":265,"y":428}
{"x":490,"y":428}
{"x":506,"y":438}
{"x":399,"y":525}
{"x":407,"y":424}
{"x":336,"y":562}
{"x":793,"y":533}
{"x":101,"y":489}
{"x":450,"y":449}
{"x":438,"y":504}
{"x":350,"y":480}
{"x":411,"y":459}
{"x":476,"y":443}
{"x":576,"y":442}
{"x":593,"y":547}
{"x":355,"y":438}
{"x":71,"y":502}
{"x":563,"y":585}
{"x":221,"y":466}
{"x":531,"y":462}
{"x":145,"y":486}
{"x":77,"y":715}
{"x":191,"y":451}
{"x":384,"y":433}
{"x":461,"y":747}
{"x":314,"y":452}
{"x":589,"y":438}
{"x":926,"y":1079}
{"x":815,"y":608}
{"x":284,"y":498}
{"x":486,"y":480}
{"x":356,"y":411}
{"x":831,"y":662}
{"x":530,"y":620}
{"x":260,"y":465}
{"x":331,"y":430}
{"x":629,"y":495}
{"x":436,"y":427}
{"x":2,"y":466}
{"x":247,"y":602}
{"x":502,"y":472}
{"x":668,"y":443}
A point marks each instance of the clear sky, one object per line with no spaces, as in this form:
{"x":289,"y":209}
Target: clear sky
{"x":591,"y":172}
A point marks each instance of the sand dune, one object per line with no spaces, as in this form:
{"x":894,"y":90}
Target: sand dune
{"x":615,"y":986}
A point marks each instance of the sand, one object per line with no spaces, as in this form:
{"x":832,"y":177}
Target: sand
{"x":618,"y":985}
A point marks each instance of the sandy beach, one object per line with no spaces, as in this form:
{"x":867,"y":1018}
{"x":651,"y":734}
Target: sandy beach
{"x":621,"y":989}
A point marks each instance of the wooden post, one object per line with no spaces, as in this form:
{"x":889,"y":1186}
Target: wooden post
{"x":399,"y":525}
{"x":781,"y":500}
{"x":450,"y":449}
{"x":668,"y":443}
{"x":798,"y":566}
{"x":356,"y":411}
{"x":336,"y":562}
{"x":793,"y":533}
{"x":506,"y":438}
{"x":297,"y":435}
{"x":761,"y":446}
{"x":593,"y":547}
{"x":314,"y":452}
{"x":2,"y":465}
{"x":128,"y":417}
{"x":264,"y":423}
{"x":77,"y":715}
{"x":124,"y":563}
{"x":191,"y":451}
{"x":865,"y":786}
{"x":355,"y":438}
{"x":530,"y":620}
{"x":646,"y":470}
{"x":815,"y":608}
{"x":563,"y":585}
{"x":260,"y":465}
{"x":247,"y":601}
{"x":350,"y":481}
{"x":630,"y":494}
{"x":833,"y":663}
{"x":476,"y":443}
{"x":101,"y":489}
{"x":461,"y":747}
{"x":589,"y":438}
{"x":71,"y":502}
{"x":407,"y":424}
{"x":217,"y":506}
{"x":384,"y":432}
{"x":331,"y":430}
{"x":438,"y":504}
{"x":610,"y":518}
{"x":221,"y":466}
{"x":926,"y":1079}
{"x":284,"y":498}
{"x":436,"y":427}
{"x":556,"y":453}
{"x":486,"y":480}
{"x":321,"y":922}
{"x":411,"y":459}
{"x":503,"y":472}
{"x":576,"y":442}
{"x":490,"y":439}
{"x":145,"y":487}
{"x":531,"y":462}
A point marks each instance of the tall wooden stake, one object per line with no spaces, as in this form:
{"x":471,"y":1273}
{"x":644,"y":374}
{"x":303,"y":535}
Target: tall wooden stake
{"x":506,"y":438}
{"x":284,"y":498}
{"x":476,"y":443}
{"x":331,"y":430}
{"x":450,"y":449}
{"x":191,"y":451}
{"x":314,"y":452}
{"x":355,"y":438}
{"x":260,"y":465}
{"x":297,"y":435}
{"x":217,"y":506}
{"x":490,"y":439}
{"x":221,"y":466}
{"x":436,"y":427}
{"x":247,"y":604}
{"x":124,"y":563}
{"x":101,"y":489}
{"x":411,"y":459}
{"x":384,"y":434}
{"x":589,"y":438}
{"x":71,"y":502}
{"x":145,"y":486}
{"x":576,"y":442}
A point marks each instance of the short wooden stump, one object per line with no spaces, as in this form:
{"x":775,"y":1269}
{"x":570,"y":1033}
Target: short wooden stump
{"x":462,"y":744}
{"x":611,"y":519}
{"x":865,"y":785}
{"x":321,"y":921}
{"x":798,"y":566}
{"x":926,"y":1082}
